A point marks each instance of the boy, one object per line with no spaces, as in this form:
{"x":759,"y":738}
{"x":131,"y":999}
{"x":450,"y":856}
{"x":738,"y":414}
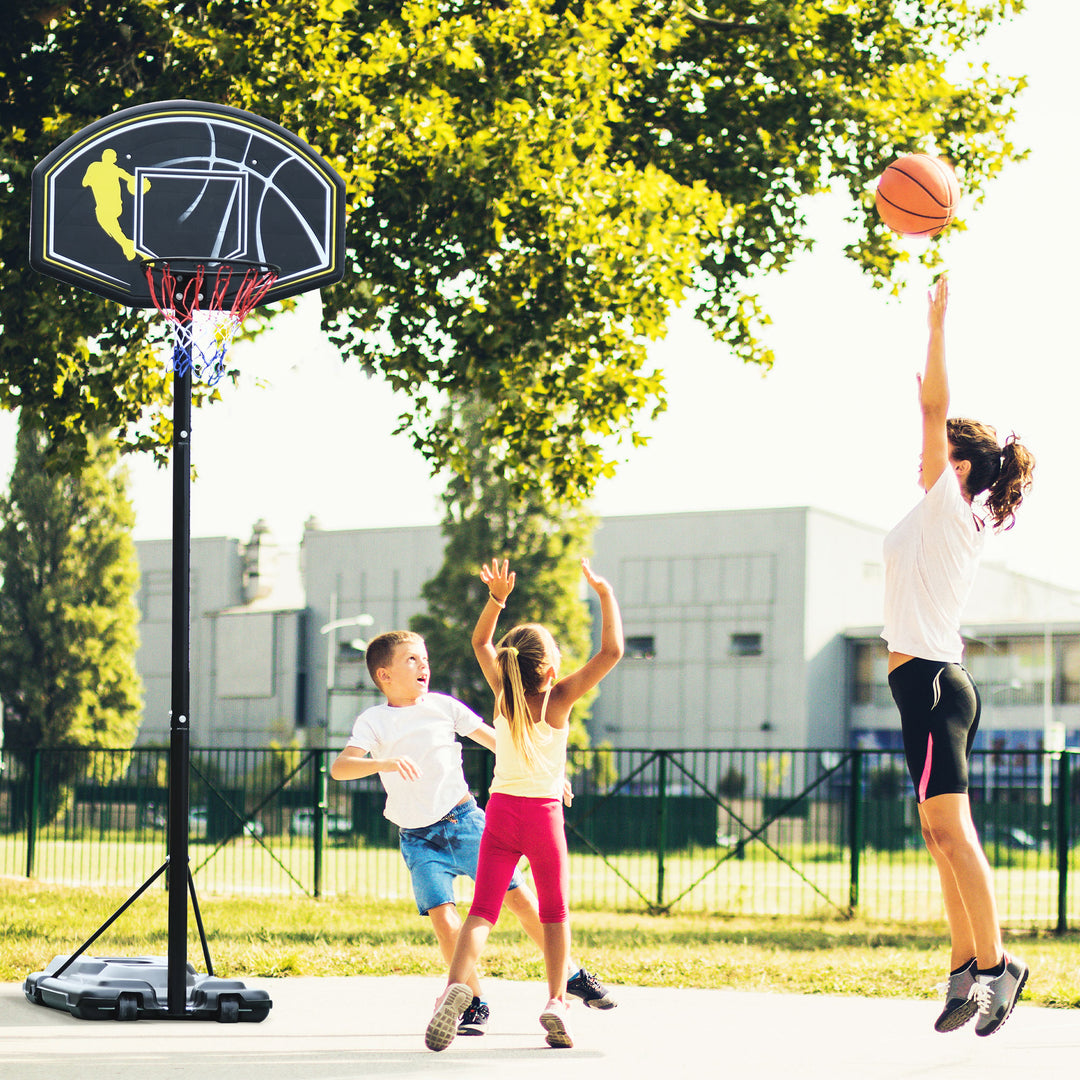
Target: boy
{"x":410,"y":743}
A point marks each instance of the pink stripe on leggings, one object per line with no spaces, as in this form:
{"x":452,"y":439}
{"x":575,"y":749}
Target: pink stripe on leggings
{"x":924,"y":780}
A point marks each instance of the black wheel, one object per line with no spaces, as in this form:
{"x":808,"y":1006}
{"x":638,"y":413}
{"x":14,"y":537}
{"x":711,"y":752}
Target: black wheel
{"x":127,"y":1007}
{"x":228,"y":1010}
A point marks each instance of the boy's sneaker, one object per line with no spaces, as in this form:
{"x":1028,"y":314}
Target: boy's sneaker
{"x":960,"y":1006}
{"x":553,"y":1020}
{"x":995,"y":995}
{"x":442,"y":1027}
{"x":591,"y":990}
{"x":474,"y":1020}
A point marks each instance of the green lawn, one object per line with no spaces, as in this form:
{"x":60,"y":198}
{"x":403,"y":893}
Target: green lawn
{"x":294,"y":936}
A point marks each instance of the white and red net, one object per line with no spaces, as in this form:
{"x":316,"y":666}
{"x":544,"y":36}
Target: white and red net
{"x":206,"y":304}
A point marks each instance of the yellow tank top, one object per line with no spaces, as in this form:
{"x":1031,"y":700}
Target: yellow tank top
{"x":515,"y":776}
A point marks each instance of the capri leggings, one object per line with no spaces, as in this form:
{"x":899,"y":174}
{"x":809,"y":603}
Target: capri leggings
{"x":939,"y":715}
{"x":518,"y":826}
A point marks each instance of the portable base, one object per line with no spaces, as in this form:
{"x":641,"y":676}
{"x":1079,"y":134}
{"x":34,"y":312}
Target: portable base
{"x":136,"y":988}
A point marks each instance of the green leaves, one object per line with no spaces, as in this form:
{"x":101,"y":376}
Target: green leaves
{"x":533,"y":186}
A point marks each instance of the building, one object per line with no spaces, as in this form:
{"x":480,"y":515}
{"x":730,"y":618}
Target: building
{"x":744,"y":628}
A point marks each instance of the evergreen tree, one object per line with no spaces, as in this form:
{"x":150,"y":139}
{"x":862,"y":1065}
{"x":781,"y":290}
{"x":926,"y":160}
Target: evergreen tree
{"x":68,"y":620}
{"x":544,"y":541}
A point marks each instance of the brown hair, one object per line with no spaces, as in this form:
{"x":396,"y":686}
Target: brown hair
{"x":522,"y":660}
{"x":380,"y":650}
{"x":1004,"y":473}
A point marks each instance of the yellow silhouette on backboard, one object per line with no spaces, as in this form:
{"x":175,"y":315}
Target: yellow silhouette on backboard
{"x":105,"y":179}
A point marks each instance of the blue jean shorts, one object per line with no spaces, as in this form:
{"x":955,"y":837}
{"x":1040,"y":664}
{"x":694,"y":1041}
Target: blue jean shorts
{"x":439,"y":853}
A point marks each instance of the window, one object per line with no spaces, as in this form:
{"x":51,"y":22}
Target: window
{"x":745,"y":645}
{"x":640,"y":648}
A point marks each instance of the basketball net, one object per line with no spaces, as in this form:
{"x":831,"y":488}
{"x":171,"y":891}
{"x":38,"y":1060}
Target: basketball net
{"x":203,"y":332}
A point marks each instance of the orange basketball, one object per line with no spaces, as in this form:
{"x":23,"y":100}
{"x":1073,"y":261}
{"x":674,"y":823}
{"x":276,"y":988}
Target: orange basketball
{"x":917,"y":195}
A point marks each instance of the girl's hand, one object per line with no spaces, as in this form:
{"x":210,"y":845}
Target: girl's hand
{"x":601,"y":585}
{"x":499,"y":580}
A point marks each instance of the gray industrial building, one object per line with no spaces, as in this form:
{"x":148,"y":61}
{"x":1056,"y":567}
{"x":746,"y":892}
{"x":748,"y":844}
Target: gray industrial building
{"x":744,"y":628}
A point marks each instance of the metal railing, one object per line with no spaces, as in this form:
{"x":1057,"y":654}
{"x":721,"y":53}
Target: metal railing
{"x":753,"y":832}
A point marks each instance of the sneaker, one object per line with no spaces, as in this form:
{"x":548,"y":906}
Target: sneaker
{"x":960,"y":1006}
{"x":443,"y":1025}
{"x":553,"y":1021}
{"x":995,"y":995}
{"x":591,"y":990}
{"x":474,"y":1020}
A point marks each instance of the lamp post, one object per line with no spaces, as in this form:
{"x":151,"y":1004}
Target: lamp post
{"x":332,"y":628}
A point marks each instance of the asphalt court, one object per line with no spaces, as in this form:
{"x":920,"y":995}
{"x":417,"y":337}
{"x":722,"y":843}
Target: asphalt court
{"x":333,"y":1028}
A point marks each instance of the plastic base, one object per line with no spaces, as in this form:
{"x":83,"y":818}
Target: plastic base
{"x":136,"y":988}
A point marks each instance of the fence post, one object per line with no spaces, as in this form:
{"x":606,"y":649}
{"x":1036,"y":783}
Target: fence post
{"x":318,"y":824}
{"x":32,"y":812}
{"x":661,"y":828}
{"x":1064,"y":828}
{"x":855,"y":810}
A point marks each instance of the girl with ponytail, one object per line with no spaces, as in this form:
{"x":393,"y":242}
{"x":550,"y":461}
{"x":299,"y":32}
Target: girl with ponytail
{"x":524,"y":815}
{"x":972,"y":486}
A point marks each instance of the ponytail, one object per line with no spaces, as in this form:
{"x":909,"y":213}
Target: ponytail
{"x":520,"y":658}
{"x":1012,"y":484}
{"x":1003,"y":473}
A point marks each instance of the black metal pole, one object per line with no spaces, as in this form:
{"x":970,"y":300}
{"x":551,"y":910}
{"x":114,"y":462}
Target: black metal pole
{"x":180,"y":719}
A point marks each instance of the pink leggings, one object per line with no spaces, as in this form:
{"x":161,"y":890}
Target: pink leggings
{"x":517,"y":826}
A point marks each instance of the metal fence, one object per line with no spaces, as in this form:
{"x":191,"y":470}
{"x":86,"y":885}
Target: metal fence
{"x":750,"y":832}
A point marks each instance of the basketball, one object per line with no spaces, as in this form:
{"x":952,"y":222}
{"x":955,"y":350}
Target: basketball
{"x":917,"y":195}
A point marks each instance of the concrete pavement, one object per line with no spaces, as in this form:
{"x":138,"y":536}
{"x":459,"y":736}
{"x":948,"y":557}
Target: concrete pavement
{"x":330,"y":1028}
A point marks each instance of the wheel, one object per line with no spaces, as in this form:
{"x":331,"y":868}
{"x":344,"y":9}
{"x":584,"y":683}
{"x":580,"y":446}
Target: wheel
{"x":228,"y":1010}
{"x":127,"y":1007}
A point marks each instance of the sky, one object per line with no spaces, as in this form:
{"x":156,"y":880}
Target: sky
{"x":834,"y":424}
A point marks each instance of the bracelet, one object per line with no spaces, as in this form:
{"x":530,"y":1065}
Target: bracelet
{"x":495,"y":600}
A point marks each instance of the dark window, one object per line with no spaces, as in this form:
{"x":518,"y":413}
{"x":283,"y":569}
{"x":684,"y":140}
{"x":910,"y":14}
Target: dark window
{"x":640,"y":648}
{"x":745,"y":645}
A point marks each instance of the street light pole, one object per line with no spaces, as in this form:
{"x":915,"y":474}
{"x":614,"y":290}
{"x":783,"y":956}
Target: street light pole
{"x":332,"y":628}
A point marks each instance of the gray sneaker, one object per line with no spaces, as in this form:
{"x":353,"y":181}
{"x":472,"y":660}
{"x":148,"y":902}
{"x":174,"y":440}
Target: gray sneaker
{"x":960,"y":1006}
{"x":995,"y":995}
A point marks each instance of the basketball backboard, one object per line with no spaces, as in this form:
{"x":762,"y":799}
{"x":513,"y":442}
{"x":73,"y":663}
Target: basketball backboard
{"x":185,"y":179}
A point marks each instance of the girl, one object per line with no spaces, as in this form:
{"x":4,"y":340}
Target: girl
{"x":524,"y":813}
{"x":931,"y":559}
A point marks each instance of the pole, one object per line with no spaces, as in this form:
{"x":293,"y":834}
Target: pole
{"x":179,"y":720}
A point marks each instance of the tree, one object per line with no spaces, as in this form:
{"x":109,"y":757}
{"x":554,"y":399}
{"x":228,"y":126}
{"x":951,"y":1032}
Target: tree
{"x":534,"y":185}
{"x":484,"y":520}
{"x":67,"y":610}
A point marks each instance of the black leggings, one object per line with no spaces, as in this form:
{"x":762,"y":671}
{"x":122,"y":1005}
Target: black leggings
{"x":939,"y":715}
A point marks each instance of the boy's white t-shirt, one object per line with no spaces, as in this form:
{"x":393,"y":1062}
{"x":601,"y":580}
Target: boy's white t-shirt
{"x":423,"y":732}
{"x":931,"y":558}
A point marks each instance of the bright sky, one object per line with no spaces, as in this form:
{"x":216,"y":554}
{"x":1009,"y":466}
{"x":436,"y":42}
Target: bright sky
{"x":833,"y":425}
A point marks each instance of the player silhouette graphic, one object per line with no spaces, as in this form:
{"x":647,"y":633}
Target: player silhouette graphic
{"x":105,"y":179}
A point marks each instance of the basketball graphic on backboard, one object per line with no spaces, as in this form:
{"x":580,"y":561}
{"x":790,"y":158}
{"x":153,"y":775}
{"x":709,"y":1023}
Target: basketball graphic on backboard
{"x":185,"y":179}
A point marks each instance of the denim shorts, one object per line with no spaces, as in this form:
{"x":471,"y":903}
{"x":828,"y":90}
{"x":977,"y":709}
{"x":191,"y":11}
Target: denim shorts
{"x":439,"y":853}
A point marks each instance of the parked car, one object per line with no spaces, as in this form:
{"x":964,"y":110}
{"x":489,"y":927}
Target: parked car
{"x":197,"y":824}
{"x":338,"y":827}
{"x":1010,"y":836}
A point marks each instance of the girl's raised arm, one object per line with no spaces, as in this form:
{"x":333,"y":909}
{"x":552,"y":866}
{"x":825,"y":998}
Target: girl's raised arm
{"x":572,"y":687}
{"x":500,"y":583}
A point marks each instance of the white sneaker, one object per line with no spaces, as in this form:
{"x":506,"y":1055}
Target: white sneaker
{"x":554,"y":1021}
{"x":443,"y":1025}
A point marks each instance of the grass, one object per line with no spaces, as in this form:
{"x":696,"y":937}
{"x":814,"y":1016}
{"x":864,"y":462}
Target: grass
{"x":282,"y":937}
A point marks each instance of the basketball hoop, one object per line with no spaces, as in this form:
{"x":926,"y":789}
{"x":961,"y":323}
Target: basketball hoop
{"x":206,"y":301}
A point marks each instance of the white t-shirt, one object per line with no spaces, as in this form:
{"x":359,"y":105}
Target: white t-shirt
{"x":423,"y":732}
{"x":931,"y":558}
